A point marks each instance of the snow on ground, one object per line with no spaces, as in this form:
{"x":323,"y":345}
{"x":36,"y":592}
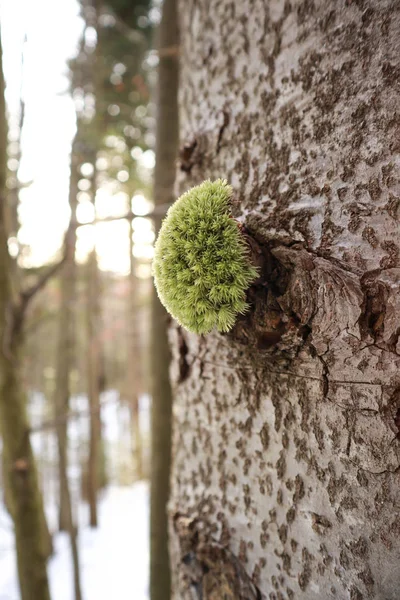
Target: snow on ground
{"x":114,"y":558}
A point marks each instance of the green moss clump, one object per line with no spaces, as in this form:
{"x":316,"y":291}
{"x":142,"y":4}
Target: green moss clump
{"x":201,"y":263}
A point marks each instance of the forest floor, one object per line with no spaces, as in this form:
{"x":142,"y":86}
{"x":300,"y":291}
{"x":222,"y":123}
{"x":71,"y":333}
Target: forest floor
{"x":114,"y":558}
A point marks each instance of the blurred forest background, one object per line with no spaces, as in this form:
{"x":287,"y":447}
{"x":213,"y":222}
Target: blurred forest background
{"x":77,"y":187}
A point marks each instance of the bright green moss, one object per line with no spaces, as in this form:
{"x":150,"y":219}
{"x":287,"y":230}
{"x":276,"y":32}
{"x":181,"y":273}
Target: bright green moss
{"x":201,"y":265}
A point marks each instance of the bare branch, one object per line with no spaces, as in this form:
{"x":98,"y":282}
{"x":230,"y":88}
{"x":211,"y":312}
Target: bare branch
{"x":29,"y":293}
{"x":157,"y":211}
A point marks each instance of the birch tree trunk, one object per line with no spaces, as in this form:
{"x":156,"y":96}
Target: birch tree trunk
{"x":285,"y":480}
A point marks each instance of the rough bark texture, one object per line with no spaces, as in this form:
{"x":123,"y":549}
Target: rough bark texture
{"x":25,"y":502}
{"x":286,"y":444}
{"x":164,"y":177}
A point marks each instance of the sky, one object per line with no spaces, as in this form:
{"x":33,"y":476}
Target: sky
{"x":52,"y":29}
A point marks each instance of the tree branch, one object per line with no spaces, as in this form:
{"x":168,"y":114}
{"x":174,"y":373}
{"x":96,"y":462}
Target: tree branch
{"x":29,"y":293}
{"x":157,"y":211}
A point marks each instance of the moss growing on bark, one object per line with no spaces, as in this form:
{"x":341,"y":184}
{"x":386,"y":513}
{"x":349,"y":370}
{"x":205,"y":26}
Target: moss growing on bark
{"x":201,"y":264}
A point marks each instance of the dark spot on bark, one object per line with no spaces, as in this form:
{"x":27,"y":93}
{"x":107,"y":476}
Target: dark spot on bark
{"x":390,"y":73}
{"x":282,"y":532}
{"x":342,"y":193}
{"x":186,"y":156}
{"x":299,"y":489}
{"x":304,"y":10}
{"x":374,"y":189}
{"x":305,"y":576}
{"x":367,"y":16}
{"x":286,"y":562}
{"x":355,"y":593}
{"x":392,"y":258}
{"x":362,"y":478}
{"x":246,"y":427}
{"x":281,"y":466}
{"x":369,"y":235}
{"x":290,"y":515}
{"x":397,"y":422}
{"x":226,"y":120}
{"x":320,"y":523}
{"x":264,"y":435}
{"x":392,"y":206}
{"x":344,"y":559}
{"x":359,"y":547}
{"x":367,"y":579}
{"x":374,"y":306}
{"x":184,"y":367}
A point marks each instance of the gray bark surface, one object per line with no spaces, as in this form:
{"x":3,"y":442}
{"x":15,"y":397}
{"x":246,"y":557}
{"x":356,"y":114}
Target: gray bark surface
{"x":286,"y":431}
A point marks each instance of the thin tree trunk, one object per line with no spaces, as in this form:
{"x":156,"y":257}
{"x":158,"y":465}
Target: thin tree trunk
{"x":66,"y":344}
{"x":20,"y":468}
{"x":286,"y":430}
{"x":134,"y":363}
{"x":93,"y":386}
{"x":166,"y":152}
{"x":70,"y":526}
{"x":66,"y":347}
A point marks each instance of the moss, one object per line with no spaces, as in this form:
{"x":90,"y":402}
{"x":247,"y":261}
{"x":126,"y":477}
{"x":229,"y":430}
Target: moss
{"x":201,"y":264}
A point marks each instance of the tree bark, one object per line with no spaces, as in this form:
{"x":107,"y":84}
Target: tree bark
{"x":286,"y":431}
{"x":20,"y":469}
{"x":166,"y":152}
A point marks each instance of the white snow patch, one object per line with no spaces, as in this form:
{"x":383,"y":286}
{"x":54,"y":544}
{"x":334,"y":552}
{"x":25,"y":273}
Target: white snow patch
{"x":114,"y":558}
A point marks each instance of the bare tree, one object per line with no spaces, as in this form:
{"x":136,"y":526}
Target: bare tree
{"x":21,"y":480}
{"x":166,"y":152}
{"x":286,"y":430}
{"x":65,"y":354}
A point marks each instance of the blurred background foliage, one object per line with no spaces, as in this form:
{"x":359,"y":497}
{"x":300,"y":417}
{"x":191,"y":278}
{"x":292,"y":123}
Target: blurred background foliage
{"x":85,"y":348}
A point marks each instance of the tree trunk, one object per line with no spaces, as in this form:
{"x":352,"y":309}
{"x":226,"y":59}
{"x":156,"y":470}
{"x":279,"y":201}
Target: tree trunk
{"x":25,"y":501}
{"x":93,"y":382}
{"x":134,"y":362}
{"x":166,"y":151}
{"x":66,"y":346}
{"x":286,"y":430}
